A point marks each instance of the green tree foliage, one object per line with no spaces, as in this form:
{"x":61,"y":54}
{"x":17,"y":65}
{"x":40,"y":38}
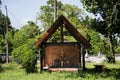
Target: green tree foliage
{"x":24,"y":51}
{"x":2,"y":24}
{"x":46,"y":17}
{"x":10,"y":39}
{"x":26,"y":55}
{"x":3,"y":21}
{"x":73,"y":14}
{"x":117,"y":49}
{"x":2,"y":44}
{"x":97,"y":42}
{"x":109,"y":11}
{"x":26,"y":32}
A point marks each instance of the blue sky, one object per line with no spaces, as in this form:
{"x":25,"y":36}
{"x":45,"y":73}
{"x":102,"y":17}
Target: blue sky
{"x":21,"y":11}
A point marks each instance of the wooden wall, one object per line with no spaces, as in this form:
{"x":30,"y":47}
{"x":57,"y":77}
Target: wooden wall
{"x":61,"y":56}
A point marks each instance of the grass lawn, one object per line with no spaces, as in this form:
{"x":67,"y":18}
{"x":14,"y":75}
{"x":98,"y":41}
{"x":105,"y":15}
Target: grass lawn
{"x":13,"y":71}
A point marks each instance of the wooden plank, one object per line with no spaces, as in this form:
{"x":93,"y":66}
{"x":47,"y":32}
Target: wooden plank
{"x":61,"y":44}
{"x":63,"y":69}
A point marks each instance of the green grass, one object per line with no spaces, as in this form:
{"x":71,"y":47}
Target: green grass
{"x":13,"y":71}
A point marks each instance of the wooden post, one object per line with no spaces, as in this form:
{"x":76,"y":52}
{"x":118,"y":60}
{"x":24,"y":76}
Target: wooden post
{"x":61,"y":34}
{"x":41,"y":60}
{"x":6,"y":35}
{"x":84,"y":60}
{"x":82,"y":57}
{"x":79,"y":57}
{"x":81,"y":49}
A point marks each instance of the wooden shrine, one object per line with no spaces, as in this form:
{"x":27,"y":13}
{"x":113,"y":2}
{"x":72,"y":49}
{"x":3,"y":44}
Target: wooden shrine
{"x":62,"y":55}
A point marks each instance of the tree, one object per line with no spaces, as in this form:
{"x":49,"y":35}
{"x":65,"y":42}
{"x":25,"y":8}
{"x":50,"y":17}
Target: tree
{"x":109,"y":11}
{"x":73,"y":14}
{"x":24,"y":51}
{"x":97,"y":42}
{"x":26,"y":32}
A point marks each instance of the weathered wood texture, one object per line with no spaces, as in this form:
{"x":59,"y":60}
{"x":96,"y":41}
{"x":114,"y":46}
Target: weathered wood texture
{"x":64,"y":69}
{"x":61,"y":56}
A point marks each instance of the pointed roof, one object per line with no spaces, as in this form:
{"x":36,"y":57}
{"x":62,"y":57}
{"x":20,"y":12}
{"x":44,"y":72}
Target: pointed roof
{"x":68,"y":26}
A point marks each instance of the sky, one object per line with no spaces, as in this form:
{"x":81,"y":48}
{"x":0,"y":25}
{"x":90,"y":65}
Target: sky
{"x":21,"y":11}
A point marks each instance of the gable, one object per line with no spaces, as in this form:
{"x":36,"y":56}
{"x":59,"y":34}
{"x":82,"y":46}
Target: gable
{"x":68,"y":26}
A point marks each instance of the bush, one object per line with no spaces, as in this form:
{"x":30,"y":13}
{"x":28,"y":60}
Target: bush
{"x":26,"y":56}
{"x":110,"y":58}
{"x":30,"y":66}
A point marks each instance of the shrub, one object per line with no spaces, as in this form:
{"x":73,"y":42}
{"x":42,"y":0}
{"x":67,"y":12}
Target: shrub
{"x":30,"y":66}
{"x":110,"y":58}
{"x":26,"y":55}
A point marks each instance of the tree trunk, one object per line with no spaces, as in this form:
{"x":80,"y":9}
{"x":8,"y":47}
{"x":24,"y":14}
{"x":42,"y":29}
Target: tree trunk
{"x":112,"y":49}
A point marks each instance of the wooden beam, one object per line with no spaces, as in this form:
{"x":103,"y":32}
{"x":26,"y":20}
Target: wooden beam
{"x":84,"y":60}
{"x":79,"y":56}
{"x":60,"y":44}
{"x":41,"y":60}
{"x":61,"y":32}
{"x":79,"y":46}
{"x":82,"y":57}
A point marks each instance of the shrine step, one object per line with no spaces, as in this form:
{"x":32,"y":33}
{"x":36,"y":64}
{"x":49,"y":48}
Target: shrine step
{"x":64,"y":69}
